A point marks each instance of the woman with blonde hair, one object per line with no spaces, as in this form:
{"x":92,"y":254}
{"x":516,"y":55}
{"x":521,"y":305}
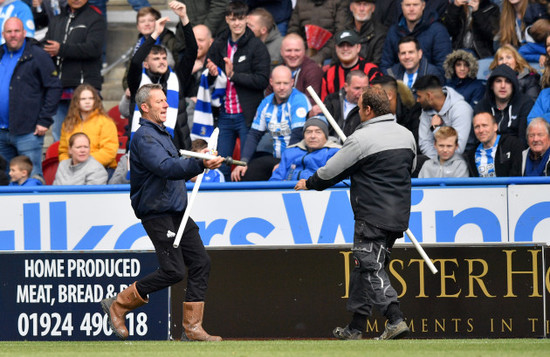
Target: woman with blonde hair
{"x":515,"y":17}
{"x":86,"y":114}
{"x":528,"y":77}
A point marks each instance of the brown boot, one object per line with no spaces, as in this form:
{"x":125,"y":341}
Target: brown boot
{"x":118,"y":306}
{"x":192,"y":323}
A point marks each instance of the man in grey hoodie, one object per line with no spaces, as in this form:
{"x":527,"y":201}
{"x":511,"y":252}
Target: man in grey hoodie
{"x":441,"y":106}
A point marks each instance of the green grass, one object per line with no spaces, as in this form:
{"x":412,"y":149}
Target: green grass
{"x":317,"y":348}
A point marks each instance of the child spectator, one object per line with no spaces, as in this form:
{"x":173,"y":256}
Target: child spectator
{"x":20,"y":170}
{"x":211,"y":175}
{"x":81,"y":168}
{"x":447,"y":164}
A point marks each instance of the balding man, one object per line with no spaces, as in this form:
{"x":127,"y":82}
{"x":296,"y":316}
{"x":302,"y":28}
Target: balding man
{"x":496,"y":155}
{"x":282,"y":114}
{"x":30,"y":91}
{"x":304,"y":70}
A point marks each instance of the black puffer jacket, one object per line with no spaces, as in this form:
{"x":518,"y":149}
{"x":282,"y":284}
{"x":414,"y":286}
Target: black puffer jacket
{"x":484,"y":26}
{"x":81,"y":36}
{"x":251,"y":67}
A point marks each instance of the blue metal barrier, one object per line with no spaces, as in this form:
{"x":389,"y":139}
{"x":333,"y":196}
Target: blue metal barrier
{"x":279,"y":185}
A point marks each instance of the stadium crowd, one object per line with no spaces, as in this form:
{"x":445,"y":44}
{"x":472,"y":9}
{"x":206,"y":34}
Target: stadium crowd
{"x":469,"y":78}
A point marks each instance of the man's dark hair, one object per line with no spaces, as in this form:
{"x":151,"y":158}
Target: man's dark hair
{"x":198,"y":145}
{"x":355,"y":73}
{"x":156,"y":49}
{"x":407,"y":39}
{"x":237,"y":9}
{"x":427,"y":82}
{"x":377,"y":100}
{"x":385,"y":81}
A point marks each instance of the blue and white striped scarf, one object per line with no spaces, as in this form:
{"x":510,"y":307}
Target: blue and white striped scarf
{"x":172,"y":97}
{"x":485,"y":159}
{"x":207,"y":97}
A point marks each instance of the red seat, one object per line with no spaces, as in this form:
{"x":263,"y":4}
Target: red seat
{"x":119,"y":120}
{"x":236,"y":152}
{"x":49,"y":168}
{"x":52,"y":151}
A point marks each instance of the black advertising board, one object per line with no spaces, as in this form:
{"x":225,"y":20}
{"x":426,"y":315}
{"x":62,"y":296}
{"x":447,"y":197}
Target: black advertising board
{"x":55,"y":296}
{"x":489,"y":291}
{"x":486,"y":291}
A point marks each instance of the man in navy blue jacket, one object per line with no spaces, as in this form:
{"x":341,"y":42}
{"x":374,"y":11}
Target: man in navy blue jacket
{"x":29,"y":93}
{"x":424,"y":25}
{"x":159,"y":199}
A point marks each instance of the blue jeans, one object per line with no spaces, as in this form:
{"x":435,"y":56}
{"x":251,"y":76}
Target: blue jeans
{"x":231,"y":126}
{"x":59,"y":117}
{"x":283,"y":26}
{"x":138,"y":4}
{"x":29,"y":145}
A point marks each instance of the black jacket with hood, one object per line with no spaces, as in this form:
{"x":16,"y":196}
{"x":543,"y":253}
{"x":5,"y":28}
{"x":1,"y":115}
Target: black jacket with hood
{"x":512,"y":119}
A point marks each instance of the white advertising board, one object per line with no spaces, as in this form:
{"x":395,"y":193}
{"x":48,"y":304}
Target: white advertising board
{"x":105,"y":221}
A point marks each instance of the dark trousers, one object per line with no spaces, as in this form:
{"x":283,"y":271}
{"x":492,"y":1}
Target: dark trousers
{"x":173,"y":261}
{"x":369,"y":282}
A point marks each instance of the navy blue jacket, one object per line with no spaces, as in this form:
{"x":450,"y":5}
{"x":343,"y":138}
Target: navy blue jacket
{"x":397,"y":71}
{"x":472,"y":89}
{"x":35,"y":90}
{"x":432,"y":35}
{"x":158,"y":174}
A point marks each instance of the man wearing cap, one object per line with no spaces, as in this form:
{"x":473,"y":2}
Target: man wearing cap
{"x":282,"y":114}
{"x":348,"y":47}
{"x":300,"y":161}
{"x":371,"y":33}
